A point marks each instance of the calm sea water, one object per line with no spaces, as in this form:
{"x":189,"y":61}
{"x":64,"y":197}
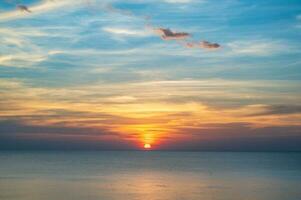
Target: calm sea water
{"x":149,"y":176}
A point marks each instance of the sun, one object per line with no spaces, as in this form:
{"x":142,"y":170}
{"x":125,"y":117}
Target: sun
{"x":147,"y":146}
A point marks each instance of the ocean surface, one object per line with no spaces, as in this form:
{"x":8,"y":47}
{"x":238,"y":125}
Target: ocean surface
{"x":149,"y":176}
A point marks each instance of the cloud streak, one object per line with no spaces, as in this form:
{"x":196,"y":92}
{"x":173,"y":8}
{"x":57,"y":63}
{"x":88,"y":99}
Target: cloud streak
{"x":126,"y":32}
{"x":40,"y":8}
{"x":167,"y":34}
{"x":277,"y":110}
{"x":263,"y":47}
{"x":203,"y":45}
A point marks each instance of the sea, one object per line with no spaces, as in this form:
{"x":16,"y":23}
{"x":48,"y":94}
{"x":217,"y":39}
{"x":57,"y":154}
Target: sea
{"x":149,"y":175}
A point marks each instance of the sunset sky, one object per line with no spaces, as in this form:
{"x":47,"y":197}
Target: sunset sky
{"x":94,"y":74}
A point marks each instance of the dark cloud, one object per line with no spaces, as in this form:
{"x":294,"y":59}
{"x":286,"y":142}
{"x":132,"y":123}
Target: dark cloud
{"x":279,"y":110}
{"x":63,"y":143}
{"x":15,"y":127}
{"x":235,"y":137}
{"x":23,"y":8}
{"x":20,"y":7}
{"x":167,"y":34}
{"x":15,"y":135}
{"x":203,"y":44}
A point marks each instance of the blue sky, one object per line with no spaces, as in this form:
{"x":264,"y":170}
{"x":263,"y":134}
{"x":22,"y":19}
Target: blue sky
{"x":101,"y":65}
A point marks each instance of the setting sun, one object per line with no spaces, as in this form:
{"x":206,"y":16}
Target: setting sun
{"x":147,"y":146}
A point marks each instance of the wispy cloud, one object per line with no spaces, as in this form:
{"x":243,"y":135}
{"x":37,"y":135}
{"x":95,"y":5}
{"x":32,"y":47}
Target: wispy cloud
{"x":259,"y":47}
{"x":127,"y":32}
{"x":21,"y":60}
{"x":203,"y":44}
{"x":179,"y":1}
{"x":40,"y":8}
{"x":277,"y":110}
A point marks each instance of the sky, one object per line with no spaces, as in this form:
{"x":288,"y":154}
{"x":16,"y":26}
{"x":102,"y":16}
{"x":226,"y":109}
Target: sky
{"x":208,"y":75}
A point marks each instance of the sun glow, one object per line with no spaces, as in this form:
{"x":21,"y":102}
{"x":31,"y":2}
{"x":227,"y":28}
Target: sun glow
{"x":147,"y":146}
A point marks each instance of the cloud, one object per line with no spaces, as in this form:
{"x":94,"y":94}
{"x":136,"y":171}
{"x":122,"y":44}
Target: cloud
{"x":109,"y":7}
{"x":277,"y":110}
{"x":25,"y":46}
{"x":112,"y":9}
{"x":203,"y":44}
{"x":129,"y":110}
{"x":17,"y":134}
{"x":21,"y":60}
{"x":5,"y":58}
{"x":167,"y":34}
{"x":18,"y":127}
{"x":23,"y":8}
{"x":263,"y":47}
{"x":42,"y":7}
{"x":178,"y":1}
{"x":236,"y":137}
{"x":218,"y":136}
{"x":19,"y":49}
{"x":126,"y":32}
